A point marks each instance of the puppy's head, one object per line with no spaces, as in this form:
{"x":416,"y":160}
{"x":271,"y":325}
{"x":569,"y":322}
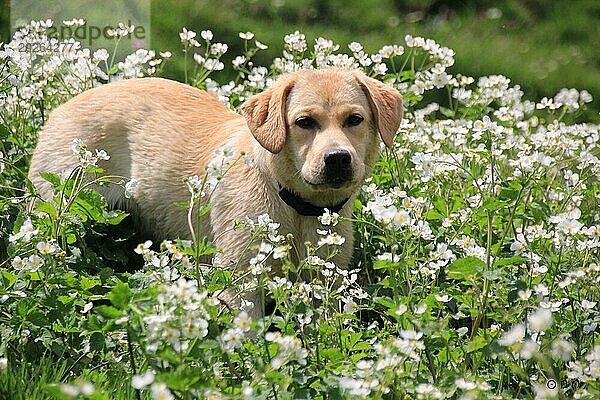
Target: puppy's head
{"x":323,"y":129}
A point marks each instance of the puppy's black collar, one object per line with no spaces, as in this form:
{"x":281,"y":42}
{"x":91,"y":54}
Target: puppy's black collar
{"x":303,"y":207}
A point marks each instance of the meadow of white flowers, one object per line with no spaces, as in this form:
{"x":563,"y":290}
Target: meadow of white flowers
{"x":475,"y":273}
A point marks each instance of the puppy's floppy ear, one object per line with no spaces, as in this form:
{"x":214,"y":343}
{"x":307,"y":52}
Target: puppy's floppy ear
{"x":265,"y":115}
{"x":386,"y":105}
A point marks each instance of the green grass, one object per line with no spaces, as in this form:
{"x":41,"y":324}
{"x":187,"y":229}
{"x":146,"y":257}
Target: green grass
{"x":541,"y":45}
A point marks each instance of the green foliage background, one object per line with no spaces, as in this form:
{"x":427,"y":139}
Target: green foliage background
{"x":542,"y":45}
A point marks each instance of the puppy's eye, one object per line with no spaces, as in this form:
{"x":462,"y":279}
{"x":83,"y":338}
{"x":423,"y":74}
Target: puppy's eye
{"x":354,"y":120}
{"x":306,"y":123}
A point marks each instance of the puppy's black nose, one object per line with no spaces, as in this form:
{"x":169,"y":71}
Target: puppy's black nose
{"x":338,"y":166}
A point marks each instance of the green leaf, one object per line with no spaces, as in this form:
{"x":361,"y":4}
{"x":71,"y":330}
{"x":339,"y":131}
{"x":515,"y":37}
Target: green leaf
{"x":113,"y":70}
{"x":477,"y":343}
{"x":108,"y":311}
{"x":65,"y":299}
{"x":333,"y":354}
{"x":386,"y":302}
{"x":97,"y":341}
{"x":493,"y":204}
{"x":8,"y":279}
{"x":205,"y":209}
{"x":37,"y":317}
{"x":54,"y":179}
{"x":64,"y":329}
{"x":446,"y":112}
{"x":115,"y":217}
{"x":385,"y":264}
{"x":516,"y":260}
{"x":46,"y":207}
{"x":89,"y":282}
{"x":181,"y":379}
{"x":120,"y":295}
{"x":89,"y":204}
{"x":433,"y":215}
{"x":464,"y":268}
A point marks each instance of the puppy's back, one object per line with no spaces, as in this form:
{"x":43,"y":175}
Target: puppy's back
{"x":155,"y":130}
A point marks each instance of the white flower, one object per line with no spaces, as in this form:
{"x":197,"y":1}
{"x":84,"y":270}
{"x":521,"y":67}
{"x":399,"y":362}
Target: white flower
{"x":444,"y":299}
{"x":143,"y":248}
{"x":529,"y":349}
{"x":3,"y":364}
{"x":540,"y":320}
{"x":242,"y":321}
{"x":26,"y":232}
{"x":524,"y":294}
{"x":246,"y":35}
{"x":289,"y":349}
{"x":239,"y":60}
{"x":101,"y":55}
{"x":33,"y":263}
{"x":588,"y":305}
{"x":421,"y":309}
{"x":207,"y":35}
{"x":350,"y":306}
{"x":74,"y":22}
{"x":463,"y":384}
{"x":402,"y":308}
{"x":388,"y":257}
{"x":140,"y":381}
{"x":515,"y":335}
{"x":218,"y":49}
{"x":199,"y":59}
{"x":329,"y":218}
{"x":355,"y":47}
{"x":562,"y":349}
{"x":87,"y":307}
{"x":428,"y":391}
{"x":46,"y":248}
{"x":69,"y":390}
{"x":160,"y":391}
{"x":186,"y":35}
{"x":331,"y":239}
{"x":280,"y":252}
{"x":260,"y":45}
{"x":130,"y":188}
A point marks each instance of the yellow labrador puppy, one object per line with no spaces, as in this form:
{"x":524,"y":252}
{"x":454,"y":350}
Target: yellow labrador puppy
{"x":313,"y":138}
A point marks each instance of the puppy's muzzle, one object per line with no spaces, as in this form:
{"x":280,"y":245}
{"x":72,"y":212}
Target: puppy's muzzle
{"x":338,"y":167}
